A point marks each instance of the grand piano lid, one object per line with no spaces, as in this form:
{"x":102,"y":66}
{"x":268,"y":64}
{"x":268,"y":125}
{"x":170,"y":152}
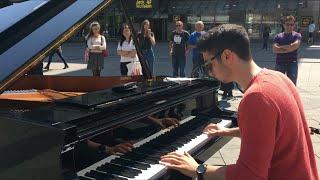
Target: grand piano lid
{"x":32,"y":29}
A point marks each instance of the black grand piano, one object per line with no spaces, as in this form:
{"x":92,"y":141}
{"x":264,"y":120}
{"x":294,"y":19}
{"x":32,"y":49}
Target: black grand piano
{"x":47,"y":121}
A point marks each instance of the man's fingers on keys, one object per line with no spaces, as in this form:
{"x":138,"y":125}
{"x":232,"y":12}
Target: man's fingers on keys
{"x":211,"y":132}
{"x":176,"y":153}
{"x":211,"y":126}
{"x":128,"y":145}
{"x":171,"y":157}
{"x":175,"y":121}
{"x":121,"y":149}
{"x":171,"y":161}
{"x":171,"y":166}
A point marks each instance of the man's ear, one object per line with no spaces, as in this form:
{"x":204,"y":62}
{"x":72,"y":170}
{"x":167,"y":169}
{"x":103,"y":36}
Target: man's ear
{"x":227,"y":55}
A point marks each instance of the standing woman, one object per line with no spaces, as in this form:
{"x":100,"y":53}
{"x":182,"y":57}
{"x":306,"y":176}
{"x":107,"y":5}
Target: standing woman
{"x":147,"y":40}
{"x":96,"y":44}
{"x":129,"y":61}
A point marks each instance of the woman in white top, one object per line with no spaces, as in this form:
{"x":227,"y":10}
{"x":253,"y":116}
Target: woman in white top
{"x":129,"y":61}
{"x":96,"y":43}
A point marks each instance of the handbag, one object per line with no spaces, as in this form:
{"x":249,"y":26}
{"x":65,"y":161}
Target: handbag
{"x":105,"y":52}
{"x":134,"y":68}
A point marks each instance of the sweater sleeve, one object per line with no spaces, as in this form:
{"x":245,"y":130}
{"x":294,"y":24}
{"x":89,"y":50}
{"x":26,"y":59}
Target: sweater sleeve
{"x":89,"y":44}
{"x":257,"y":122}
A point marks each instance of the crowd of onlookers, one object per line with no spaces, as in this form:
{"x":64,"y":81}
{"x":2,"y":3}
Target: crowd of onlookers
{"x":181,"y":43}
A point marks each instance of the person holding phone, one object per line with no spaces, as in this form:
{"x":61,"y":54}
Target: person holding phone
{"x":147,"y":40}
{"x":96,"y":44}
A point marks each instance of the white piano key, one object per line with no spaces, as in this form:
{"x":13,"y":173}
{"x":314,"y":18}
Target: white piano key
{"x":96,"y":165}
{"x":157,"y":170}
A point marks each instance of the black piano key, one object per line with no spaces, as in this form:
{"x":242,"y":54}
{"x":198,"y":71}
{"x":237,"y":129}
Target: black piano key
{"x":154,"y":154}
{"x":140,"y":158}
{"x":119,"y":170}
{"x":83,"y":178}
{"x":103,"y":176}
{"x":130,"y":163}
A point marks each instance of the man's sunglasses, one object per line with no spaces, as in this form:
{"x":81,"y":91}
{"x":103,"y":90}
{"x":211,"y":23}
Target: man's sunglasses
{"x":178,"y":25}
{"x":208,"y":64}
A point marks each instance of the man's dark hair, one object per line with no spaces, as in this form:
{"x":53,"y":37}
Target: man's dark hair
{"x":226,"y":36}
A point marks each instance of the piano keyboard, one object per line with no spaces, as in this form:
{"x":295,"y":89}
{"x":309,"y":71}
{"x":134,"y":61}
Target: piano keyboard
{"x":26,"y":91}
{"x":143,"y":161}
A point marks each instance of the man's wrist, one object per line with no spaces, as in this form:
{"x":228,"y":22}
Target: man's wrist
{"x":102,"y":149}
{"x":200,"y":171}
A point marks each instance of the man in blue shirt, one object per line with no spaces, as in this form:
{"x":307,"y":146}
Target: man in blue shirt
{"x":197,"y":58}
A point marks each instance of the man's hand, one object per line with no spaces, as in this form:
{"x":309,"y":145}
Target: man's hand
{"x":286,"y":47}
{"x":120,"y":148}
{"x":166,"y":122}
{"x":187,"y":51}
{"x":181,"y":162}
{"x":216,"y":130}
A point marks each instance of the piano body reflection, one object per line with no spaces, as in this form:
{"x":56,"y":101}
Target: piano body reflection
{"x":46,"y":121}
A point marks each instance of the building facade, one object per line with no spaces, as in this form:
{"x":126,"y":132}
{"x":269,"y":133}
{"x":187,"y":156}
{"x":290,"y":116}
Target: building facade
{"x":254,"y":15}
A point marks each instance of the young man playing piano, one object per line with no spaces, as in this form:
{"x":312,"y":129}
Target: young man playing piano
{"x":275,"y":140}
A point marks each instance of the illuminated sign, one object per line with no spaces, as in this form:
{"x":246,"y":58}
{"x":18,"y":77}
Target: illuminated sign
{"x":144,"y":4}
{"x":176,"y":18}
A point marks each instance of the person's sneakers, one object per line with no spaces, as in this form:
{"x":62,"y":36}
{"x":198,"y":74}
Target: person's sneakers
{"x":66,"y":66}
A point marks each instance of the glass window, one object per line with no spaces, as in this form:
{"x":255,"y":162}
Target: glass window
{"x":222,"y":18}
{"x":207,"y":19}
{"x":193,"y":19}
{"x":253,"y":24}
{"x":271,"y":21}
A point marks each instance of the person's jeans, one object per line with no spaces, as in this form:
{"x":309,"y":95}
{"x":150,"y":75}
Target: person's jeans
{"x":265,"y":43}
{"x":60,"y":56}
{"x":197,"y":63}
{"x":149,"y":57}
{"x":178,"y":65}
{"x":290,"y":69}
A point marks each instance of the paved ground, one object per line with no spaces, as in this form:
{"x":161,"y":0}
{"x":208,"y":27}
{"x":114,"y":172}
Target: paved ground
{"x":308,"y":84}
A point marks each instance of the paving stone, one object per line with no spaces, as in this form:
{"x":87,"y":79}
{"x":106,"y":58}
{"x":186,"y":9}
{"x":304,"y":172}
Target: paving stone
{"x":215,"y":161}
